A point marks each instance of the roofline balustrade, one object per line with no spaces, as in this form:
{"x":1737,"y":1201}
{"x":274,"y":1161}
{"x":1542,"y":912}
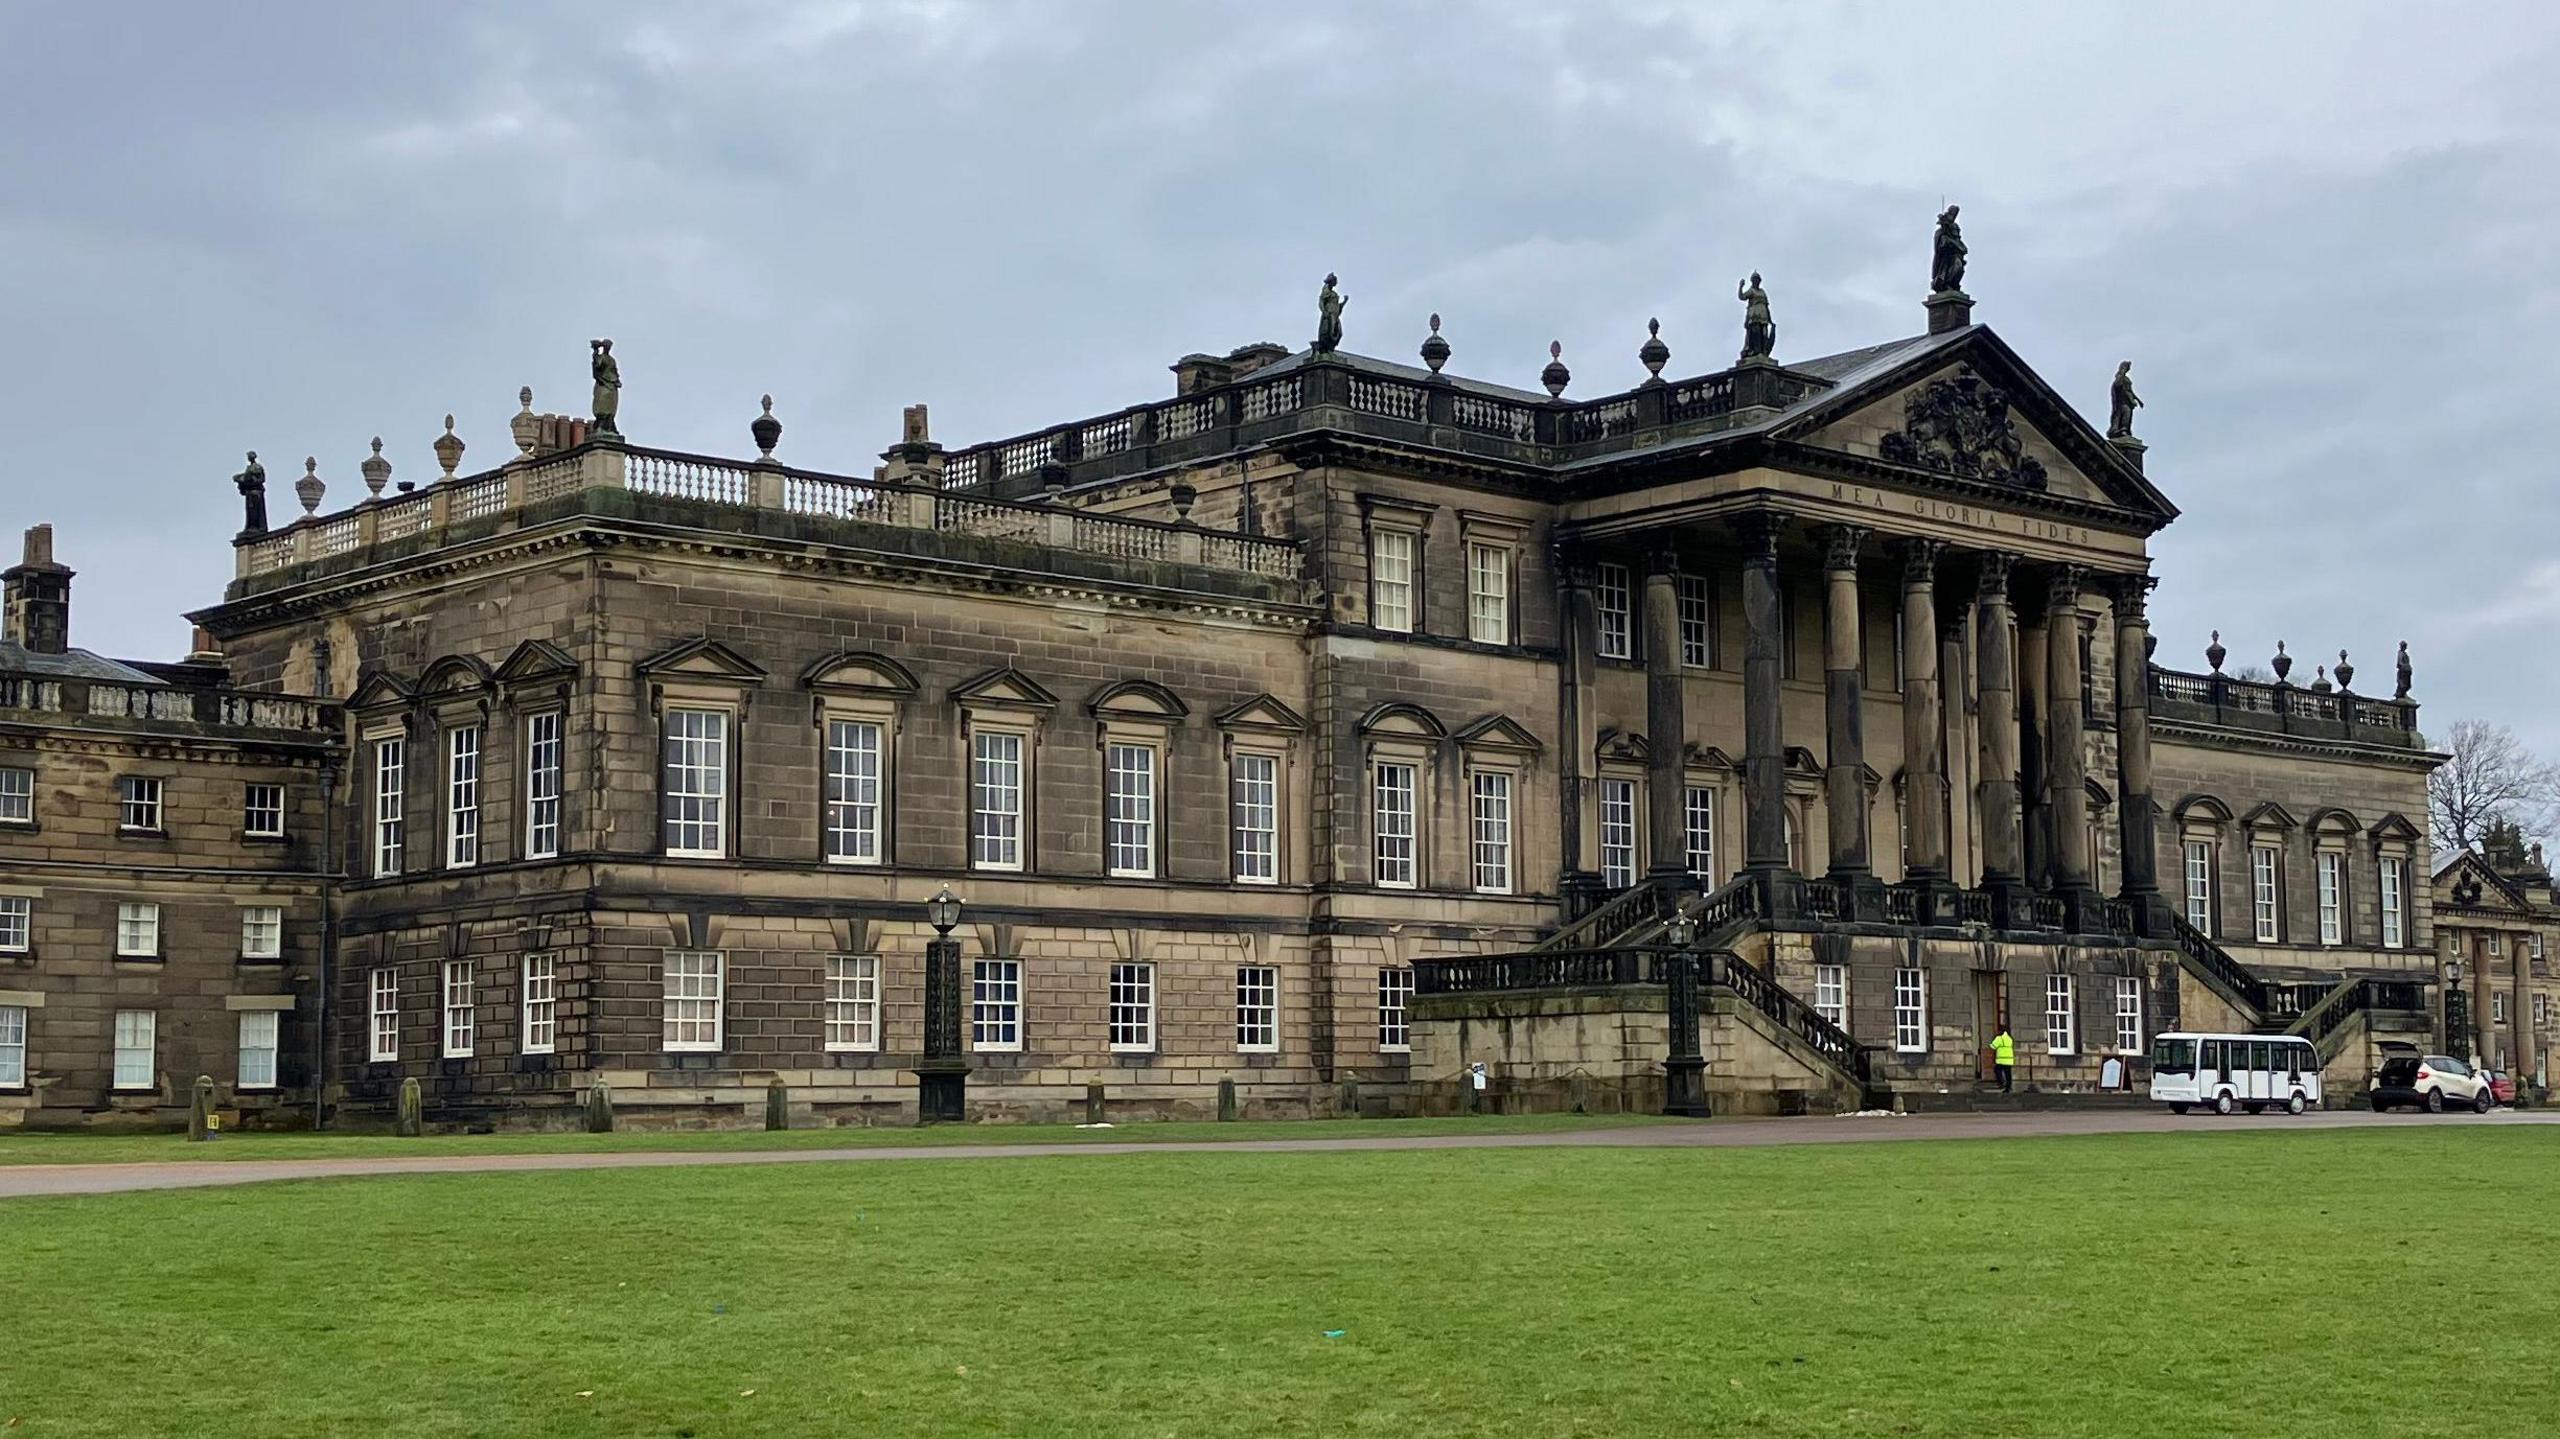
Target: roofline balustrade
{"x":170,"y":709}
{"x":2280,"y":708}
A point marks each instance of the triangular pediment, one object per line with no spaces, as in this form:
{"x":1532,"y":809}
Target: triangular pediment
{"x":536,"y":660}
{"x":1973,"y":412}
{"x":1262,"y":712}
{"x":2270,"y":815}
{"x":1138,"y":699}
{"x":380,"y":690}
{"x":859,"y":672}
{"x":1623,"y":745}
{"x":2394,"y":826}
{"x":2470,"y":883}
{"x":1396,"y":717}
{"x":1496,"y":731}
{"x":702,"y":659}
{"x":1706,"y":756}
{"x":1801,"y":761}
{"x":1006,"y":688}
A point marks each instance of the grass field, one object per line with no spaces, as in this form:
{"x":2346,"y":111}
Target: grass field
{"x":172,"y":1148}
{"x":2191,"y":1285}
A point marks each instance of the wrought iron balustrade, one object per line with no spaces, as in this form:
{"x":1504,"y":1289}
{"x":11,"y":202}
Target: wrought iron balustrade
{"x":2200,"y":948}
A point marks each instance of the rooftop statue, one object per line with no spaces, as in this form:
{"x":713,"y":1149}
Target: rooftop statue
{"x":253,"y":496}
{"x":1946,"y":263}
{"x":1759,"y":332}
{"x":608,"y":401}
{"x":2121,"y":403}
{"x":1329,"y":303}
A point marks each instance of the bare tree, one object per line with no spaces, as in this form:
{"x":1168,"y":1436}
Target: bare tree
{"x":2492,"y":777}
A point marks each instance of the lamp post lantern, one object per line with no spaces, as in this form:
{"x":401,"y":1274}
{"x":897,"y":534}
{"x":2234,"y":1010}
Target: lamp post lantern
{"x":1684,"y":1087}
{"x":942,"y":1076}
{"x":2457,"y":1013}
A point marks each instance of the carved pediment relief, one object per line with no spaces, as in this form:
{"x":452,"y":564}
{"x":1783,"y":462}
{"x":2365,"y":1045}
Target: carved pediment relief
{"x":1960,"y":424}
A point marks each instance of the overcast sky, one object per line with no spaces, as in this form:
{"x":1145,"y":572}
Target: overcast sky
{"x":2325,"y":233}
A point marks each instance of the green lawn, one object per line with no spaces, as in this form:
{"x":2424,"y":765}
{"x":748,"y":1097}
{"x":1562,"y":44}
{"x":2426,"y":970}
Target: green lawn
{"x":2258,"y":1284}
{"x":168,"y":1148}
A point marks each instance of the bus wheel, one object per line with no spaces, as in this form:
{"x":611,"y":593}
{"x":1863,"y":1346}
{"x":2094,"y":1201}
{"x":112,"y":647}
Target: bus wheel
{"x":2178,"y":1108}
{"x":2295,"y":1105}
{"x":2222,"y":1103}
{"x":2435,"y":1101}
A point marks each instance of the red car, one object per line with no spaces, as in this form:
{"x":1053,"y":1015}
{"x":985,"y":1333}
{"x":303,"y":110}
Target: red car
{"x":2502,"y":1087}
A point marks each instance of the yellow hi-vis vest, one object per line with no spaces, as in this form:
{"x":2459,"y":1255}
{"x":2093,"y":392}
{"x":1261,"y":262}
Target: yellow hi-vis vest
{"x":2004,"y":1050}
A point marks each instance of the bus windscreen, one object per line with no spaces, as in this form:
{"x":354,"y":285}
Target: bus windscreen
{"x":2173,"y":1056}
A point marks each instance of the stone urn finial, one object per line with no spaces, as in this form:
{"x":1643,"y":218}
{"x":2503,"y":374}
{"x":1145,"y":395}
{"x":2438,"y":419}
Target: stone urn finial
{"x":1555,"y":376}
{"x":767,"y":430}
{"x":1435,"y":350}
{"x":1184,"y":495}
{"x":2282,"y":663}
{"x":376,"y":471}
{"x":1653,"y":352}
{"x":310,"y":487}
{"x":449,"y":448}
{"x":2215,"y":654}
{"x":2320,"y":679}
{"x":2345,"y":672}
{"x":526,"y":428}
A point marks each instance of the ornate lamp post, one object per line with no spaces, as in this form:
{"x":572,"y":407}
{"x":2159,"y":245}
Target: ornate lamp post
{"x":1684,"y":1087}
{"x":942,"y":1077}
{"x":2457,"y":1013}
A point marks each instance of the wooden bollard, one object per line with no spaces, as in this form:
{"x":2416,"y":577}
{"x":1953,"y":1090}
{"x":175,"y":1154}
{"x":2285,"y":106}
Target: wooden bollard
{"x":599,"y":1107}
{"x":777,"y":1104}
{"x":412,"y":1109}
{"x":200,"y":1111}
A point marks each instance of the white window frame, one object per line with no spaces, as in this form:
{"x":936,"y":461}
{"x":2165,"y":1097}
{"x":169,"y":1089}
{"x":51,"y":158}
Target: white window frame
{"x":853,"y":1004}
{"x":137,"y":930}
{"x":1618,"y":856}
{"x":137,"y":1033}
{"x":2329,"y":882}
{"x":13,"y":1046}
{"x":1395,"y":807}
{"x":1911,"y":1011}
{"x":1489,"y":830}
{"x":857,"y":755}
{"x":260,"y":1030}
{"x":539,"y":1001}
{"x":1488,"y":593}
{"x":2197,"y":858}
{"x":390,"y":804}
{"x":1257,"y":1009}
{"x":382,"y":1011}
{"x":1132,"y":1013}
{"x":17,"y":795}
{"x":693,"y":782}
{"x":261,"y":810}
{"x":693,"y":1007}
{"x":139,"y":808}
{"x":1831,"y":993}
{"x":1395,"y":1009}
{"x":999,"y":785}
{"x":2061,"y":1015}
{"x":461,"y":1008}
{"x":1253,"y":816}
{"x":1613,"y":602}
{"x":17,"y":923}
{"x":2129,"y":1037}
{"x":1698,"y":829}
{"x":1130,"y":785}
{"x":995,"y":1006}
{"x":1697,"y":621}
{"x":2266,"y":893}
{"x":1394,"y":559}
{"x":2391,"y":886}
{"x":262,"y":931}
{"x":462,"y":796}
{"x":545,"y":752}
{"x":2497,"y":1006}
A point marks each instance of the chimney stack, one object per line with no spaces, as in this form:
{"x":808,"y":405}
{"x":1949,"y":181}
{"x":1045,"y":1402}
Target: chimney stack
{"x":37,"y":609}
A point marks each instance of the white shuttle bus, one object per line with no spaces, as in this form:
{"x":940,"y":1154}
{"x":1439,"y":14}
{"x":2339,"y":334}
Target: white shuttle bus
{"x":2224,"y":1072}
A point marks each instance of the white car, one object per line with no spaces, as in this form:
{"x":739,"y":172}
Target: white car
{"x":2432,"y":1082}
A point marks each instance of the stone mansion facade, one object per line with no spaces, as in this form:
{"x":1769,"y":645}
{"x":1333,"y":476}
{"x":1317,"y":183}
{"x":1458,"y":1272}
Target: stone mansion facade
{"x":1302,"y":730}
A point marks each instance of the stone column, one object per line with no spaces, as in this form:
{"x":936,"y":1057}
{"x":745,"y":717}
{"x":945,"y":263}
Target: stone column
{"x":2034,"y":782}
{"x":1924,"y":785}
{"x":2066,"y":758}
{"x":1844,"y":781}
{"x":2522,"y":1059}
{"x":1764,"y":753}
{"x":1578,"y":619}
{"x":2137,"y":810}
{"x":1955,"y":757}
{"x":1665,"y":720}
{"x":2003,"y":857}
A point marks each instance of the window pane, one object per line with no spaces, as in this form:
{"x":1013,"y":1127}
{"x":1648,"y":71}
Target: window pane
{"x":853,"y":792}
{"x":462,"y":797}
{"x":1910,"y":1010}
{"x":17,"y":924}
{"x":1488,"y":594}
{"x":17,"y":796}
{"x":258,"y":1049}
{"x":262,"y":811}
{"x":1697,"y":622}
{"x":690,"y":1018}
{"x":995,"y":800}
{"x":2061,"y":1022}
{"x":390,"y":799}
{"x":1698,"y":808}
{"x":541,"y":1003}
{"x":853,"y":1002}
{"x":1395,"y":992}
{"x":1613,"y":596}
{"x":1129,"y":810}
{"x":138,"y":930}
{"x":13,"y":1046}
{"x":1831,"y":993}
{"x":386,"y":1015}
{"x":459,"y":1009}
{"x":1396,"y":855}
{"x":1492,"y":813}
{"x":697,"y":782}
{"x":1257,"y":1007}
{"x":1133,"y":1007}
{"x":1391,"y":580}
{"x":137,"y":1063}
{"x":995,"y":1007}
{"x":262,"y":932}
{"x":1257,"y":818}
{"x":542,"y":785}
{"x":1617,"y":833}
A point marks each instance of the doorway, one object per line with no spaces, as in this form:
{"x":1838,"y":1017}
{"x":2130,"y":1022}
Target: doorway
{"x":1990,"y":1011}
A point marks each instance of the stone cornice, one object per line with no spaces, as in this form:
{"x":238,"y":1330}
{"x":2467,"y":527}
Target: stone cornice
{"x":76,"y":738}
{"x":2216,"y":736}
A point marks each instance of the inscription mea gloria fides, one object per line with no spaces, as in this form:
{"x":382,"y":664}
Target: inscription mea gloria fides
{"x":1949,"y":512}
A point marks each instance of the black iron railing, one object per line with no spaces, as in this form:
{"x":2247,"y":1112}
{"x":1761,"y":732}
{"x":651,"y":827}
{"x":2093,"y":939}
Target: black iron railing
{"x":2359,"y":996}
{"x":2208,"y":956}
{"x":1630,"y":912}
{"x":1794,"y":1015}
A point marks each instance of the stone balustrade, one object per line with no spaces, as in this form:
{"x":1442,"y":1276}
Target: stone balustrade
{"x":2280,"y":708}
{"x":198,"y":709}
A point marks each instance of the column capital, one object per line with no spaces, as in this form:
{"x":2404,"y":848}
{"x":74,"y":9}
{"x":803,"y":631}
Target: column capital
{"x":2130,"y":594}
{"x":1759,"y":531}
{"x":1840,"y":546}
{"x":1662,"y":557}
{"x":1991,"y":577}
{"x":2062,"y":586}
{"x":1575,"y":568}
{"x":1920,"y":559}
